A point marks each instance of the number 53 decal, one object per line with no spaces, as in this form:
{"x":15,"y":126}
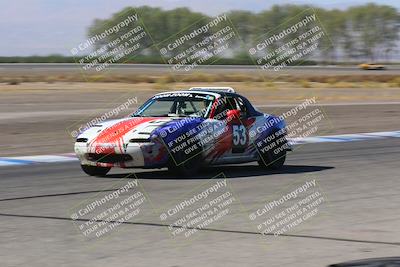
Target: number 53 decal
{"x":239,"y":137}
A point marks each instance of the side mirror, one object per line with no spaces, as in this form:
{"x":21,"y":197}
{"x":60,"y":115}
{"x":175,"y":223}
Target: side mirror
{"x":233,"y":115}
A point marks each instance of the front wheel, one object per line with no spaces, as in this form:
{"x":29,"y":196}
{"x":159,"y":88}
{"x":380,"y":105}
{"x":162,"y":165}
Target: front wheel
{"x":186,"y":164}
{"x":95,"y":170}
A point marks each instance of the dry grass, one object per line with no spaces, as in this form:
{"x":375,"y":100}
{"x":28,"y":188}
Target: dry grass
{"x":162,"y":80}
{"x":257,"y":92}
{"x":395,"y":82}
{"x":304,"y":83}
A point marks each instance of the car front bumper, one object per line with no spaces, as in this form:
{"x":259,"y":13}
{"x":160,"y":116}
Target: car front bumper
{"x":132,"y":156}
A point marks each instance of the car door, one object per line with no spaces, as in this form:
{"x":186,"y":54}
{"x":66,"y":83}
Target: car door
{"x":233,"y":144}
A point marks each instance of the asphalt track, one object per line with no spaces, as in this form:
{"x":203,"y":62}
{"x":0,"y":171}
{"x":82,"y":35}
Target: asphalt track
{"x":360,"y":220}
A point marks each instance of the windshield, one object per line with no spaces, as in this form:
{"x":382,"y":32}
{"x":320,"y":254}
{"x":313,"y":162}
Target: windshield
{"x":186,"y":105}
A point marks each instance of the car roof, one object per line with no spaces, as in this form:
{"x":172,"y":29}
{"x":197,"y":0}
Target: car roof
{"x":215,"y":93}
{"x":252,"y":111}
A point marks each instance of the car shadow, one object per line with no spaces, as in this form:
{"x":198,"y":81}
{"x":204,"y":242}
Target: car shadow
{"x":229,"y":171}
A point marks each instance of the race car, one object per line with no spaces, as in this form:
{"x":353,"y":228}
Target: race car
{"x":185,"y":131}
{"x":371,"y":66}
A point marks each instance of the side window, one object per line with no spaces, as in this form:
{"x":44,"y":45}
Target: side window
{"x":229,"y":103}
{"x":221,"y":109}
{"x":232,"y":103}
{"x":242,"y":107}
{"x":189,"y":107}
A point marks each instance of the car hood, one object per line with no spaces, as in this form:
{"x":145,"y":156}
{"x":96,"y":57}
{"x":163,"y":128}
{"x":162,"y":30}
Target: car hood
{"x":122,"y":130}
{"x":112,"y":136}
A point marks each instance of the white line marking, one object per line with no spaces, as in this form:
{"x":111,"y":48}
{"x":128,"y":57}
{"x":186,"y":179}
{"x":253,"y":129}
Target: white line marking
{"x":344,"y":137}
{"x":330,"y":104}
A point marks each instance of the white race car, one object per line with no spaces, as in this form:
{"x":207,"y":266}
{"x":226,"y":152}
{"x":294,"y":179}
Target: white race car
{"x":185,"y":130}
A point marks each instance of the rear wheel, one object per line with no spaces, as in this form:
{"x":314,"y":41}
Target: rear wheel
{"x":95,"y":170}
{"x":273,"y":155}
{"x":272,"y":163}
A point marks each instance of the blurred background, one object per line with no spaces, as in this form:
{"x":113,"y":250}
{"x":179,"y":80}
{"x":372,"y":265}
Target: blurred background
{"x":64,"y":64}
{"x":41,"y":31}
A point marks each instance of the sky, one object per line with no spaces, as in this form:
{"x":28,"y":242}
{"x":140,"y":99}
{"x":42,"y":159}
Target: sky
{"x":43,"y":27}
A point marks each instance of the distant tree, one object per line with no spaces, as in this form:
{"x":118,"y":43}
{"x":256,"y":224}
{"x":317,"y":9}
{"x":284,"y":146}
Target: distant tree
{"x":372,"y":27}
{"x":244,"y":22}
{"x":333,"y":23}
{"x":363,"y":32}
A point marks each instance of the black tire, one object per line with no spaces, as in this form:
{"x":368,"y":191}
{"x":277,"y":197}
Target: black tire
{"x":186,"y":165}
{"x":271,"y":160}
{"x":95,"y":171}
